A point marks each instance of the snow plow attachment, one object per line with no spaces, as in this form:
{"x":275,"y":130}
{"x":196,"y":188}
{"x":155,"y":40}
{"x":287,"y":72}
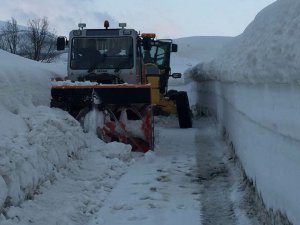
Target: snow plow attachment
{"x":115,"y":112}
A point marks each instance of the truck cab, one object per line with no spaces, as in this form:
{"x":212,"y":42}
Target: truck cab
{"x":105,"y":56}
{"x":113,"y":56}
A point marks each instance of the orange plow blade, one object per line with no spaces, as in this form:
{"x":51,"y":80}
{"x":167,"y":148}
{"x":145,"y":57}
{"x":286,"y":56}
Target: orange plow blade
{"x":127,"y":111}
{"x":135,"y":130}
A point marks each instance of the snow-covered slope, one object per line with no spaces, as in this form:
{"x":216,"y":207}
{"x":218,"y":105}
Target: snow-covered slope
{"x":3,"y":23}
{"x":35,"y":140}
{"x":252,"y":87}
{"x":268,"y":50}
{"x":26,"y":80}
{"x":42,"y":148}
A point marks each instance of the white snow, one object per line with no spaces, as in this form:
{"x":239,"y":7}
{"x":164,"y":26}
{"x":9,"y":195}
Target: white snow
{"x":78,"y":191}
{"x":92,"y":120}
{"x":156,"y":189}
{"x":50,"y":166}
{"x":252,"y":87}
{"x":36,"y":141}
{"x":51,"y":172}
{"x":268,"y":50}
{"x":73,"y":83}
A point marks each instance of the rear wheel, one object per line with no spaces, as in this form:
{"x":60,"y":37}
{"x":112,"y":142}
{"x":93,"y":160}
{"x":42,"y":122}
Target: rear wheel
{"x":183,"y":110}
{"x":171,"y":94}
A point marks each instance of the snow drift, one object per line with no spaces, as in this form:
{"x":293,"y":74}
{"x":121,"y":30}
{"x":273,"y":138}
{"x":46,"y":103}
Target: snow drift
{"x":252,"y":87}
{"x":35,"y":140}
{"x":267,"y":51}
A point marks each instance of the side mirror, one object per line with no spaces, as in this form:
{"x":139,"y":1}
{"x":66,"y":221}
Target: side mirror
{"x":176,"y":75}
{"x":61,"y":43}
{"x":174,"y":47}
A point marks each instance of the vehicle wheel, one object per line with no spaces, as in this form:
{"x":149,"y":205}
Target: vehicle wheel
{"x":183,"y":110}
{"x":172,"y":94}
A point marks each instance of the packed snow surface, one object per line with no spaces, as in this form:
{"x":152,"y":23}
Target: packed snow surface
{"x":157,"y":189}
{"x":267,"y":52}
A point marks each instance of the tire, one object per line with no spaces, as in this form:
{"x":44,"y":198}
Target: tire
{"x":183,"y":110}
{"x":172,"y":94}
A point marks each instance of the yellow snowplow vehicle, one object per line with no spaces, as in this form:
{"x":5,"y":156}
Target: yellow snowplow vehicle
{"x":117,"y":80}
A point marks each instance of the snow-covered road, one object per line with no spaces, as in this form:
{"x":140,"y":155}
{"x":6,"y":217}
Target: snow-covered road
{"x":159,"y":188}
{"x":222,"y":188}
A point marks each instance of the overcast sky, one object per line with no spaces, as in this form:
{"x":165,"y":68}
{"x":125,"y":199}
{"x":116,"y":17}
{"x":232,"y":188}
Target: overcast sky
{"x":168,"y":18}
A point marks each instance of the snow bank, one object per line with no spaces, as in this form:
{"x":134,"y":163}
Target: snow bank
{"x":268,"y":50}
{"x":264,"y":129}
{"x":252,"y":87}
{"x":36,"y":141}
{"x":79,"y":190}
{"x":26,"y":82}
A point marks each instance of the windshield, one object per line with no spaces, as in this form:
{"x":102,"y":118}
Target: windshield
{"x":102,"y":53}
{"x":159,"y":54}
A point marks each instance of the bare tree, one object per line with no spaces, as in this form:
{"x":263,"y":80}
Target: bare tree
{"x":2,"y":44}
{"x":36,"y":41}
{"x":10,"y":36}
{"x":49,"y":52}
{"x":42,"y":42}
{"x":37,"y":33}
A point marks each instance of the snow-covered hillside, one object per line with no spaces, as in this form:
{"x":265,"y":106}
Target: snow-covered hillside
{"x":268,"y":50}
{"x":32,"y":134}
{"x":252,"y":87}
{"x":3,"y":23}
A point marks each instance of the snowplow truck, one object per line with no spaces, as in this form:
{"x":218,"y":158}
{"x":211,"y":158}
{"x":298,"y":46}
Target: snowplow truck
{"x":117,"y":80}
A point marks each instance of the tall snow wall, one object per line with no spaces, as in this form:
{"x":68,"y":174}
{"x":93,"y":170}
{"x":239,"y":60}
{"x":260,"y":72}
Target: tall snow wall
{"x":253,"y":89}
{"x":263,"y":123}
{"x":35,"y":140}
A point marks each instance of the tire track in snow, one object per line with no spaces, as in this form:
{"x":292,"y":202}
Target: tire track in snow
{"x":219,"y":180}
